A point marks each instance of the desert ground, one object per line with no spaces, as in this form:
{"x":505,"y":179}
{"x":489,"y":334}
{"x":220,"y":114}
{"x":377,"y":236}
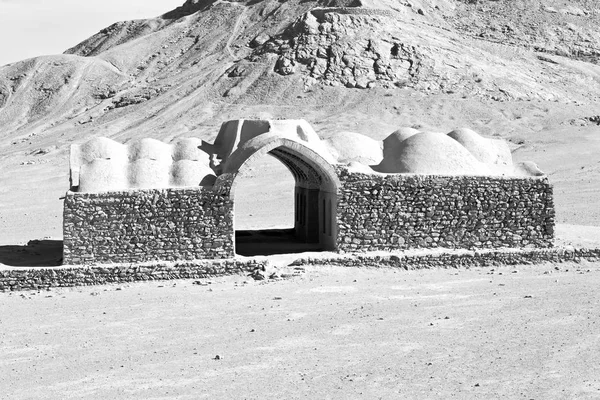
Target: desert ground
{"x":529,"y":332}
{"x":524,"y":71}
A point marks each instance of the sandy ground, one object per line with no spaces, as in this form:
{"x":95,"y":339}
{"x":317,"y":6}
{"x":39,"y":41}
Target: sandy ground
{"x":526,"y":333}
{"x":330,"y":332}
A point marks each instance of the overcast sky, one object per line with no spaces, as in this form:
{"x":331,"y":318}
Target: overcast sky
{"x":30,"y":28}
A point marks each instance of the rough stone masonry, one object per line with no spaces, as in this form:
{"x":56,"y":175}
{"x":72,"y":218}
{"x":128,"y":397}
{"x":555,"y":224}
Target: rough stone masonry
{"x":147,"y":225}
{"x":150,"y":201}
{"x":374,"y":212}
{"x":400,"y":211}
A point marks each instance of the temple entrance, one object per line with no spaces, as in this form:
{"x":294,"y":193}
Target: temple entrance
{"x":284,"y":202}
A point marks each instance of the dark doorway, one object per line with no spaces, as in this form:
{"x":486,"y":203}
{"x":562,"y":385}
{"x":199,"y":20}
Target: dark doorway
{"x":271,"y":241}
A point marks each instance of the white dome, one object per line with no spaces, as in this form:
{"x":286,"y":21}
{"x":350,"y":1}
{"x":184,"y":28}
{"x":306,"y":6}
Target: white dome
{"x":434,"y":154}
{"x":350,"y":146}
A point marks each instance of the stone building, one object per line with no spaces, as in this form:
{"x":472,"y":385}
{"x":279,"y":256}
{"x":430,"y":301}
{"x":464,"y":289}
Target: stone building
{"x":148,"y":200}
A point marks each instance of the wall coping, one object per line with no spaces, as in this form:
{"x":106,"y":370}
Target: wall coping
{"x":126,"y":192}
{"x":348,"y":170}
{"x":345,"y":169}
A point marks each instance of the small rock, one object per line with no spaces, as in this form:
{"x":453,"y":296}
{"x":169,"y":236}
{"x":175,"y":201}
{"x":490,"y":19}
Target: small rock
{"x":236,"y":71}
{"x":259,"y":40}
{"x":284,"y":66}
{"x":257,"y":275}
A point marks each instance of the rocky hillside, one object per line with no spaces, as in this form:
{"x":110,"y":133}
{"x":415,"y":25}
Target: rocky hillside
{"x":191,"y":63}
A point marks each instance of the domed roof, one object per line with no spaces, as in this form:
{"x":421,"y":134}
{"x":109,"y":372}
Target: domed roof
{"x":150,"y":149}
{"x":145,"y":173}
{"x":101,"y":175}
{"x":432,"y":153}
{"x":477,"y":145}
{"x":102,"y":165}
{"x":189,"y":149}
{"x":392,"y":143}
{"x":350,"y":146}
{"x":101,"y":148}
{"x":191,"y":173}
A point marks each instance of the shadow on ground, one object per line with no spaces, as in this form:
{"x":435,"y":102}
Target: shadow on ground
{"x":37,"y":253}
{"x":270,"y":241}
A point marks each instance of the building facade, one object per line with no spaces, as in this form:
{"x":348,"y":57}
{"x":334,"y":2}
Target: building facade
{"x":151,"y":201}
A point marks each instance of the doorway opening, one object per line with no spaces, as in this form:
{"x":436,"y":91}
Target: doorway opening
{"x":284,"y":202}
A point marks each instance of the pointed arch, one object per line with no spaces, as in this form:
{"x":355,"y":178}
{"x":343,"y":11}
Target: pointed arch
{"x":316,"y":185}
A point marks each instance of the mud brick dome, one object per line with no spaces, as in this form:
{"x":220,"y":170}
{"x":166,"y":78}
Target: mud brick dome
{"x":149,"y":200}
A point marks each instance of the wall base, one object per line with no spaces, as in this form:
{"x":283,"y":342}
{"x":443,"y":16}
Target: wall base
{"x":14,"y":278}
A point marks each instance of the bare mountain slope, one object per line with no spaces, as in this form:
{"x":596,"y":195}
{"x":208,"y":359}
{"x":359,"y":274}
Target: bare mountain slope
{"x":231,"y":52}
{"x":345,"y":65}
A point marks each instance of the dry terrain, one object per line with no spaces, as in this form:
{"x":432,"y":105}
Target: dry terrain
{"x":523,"y":70}
{"x":506,"y":333}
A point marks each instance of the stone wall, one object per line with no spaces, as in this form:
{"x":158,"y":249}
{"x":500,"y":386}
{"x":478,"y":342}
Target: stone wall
{"x":374,"y":212}
{"x":429,"y":259}
{"x":16,"y":278}
{"x":403,"y":211}
{"x":144,"y":225}
{"x":70,"y":276}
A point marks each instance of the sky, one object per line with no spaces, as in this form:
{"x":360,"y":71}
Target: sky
{"x":30,"y":28}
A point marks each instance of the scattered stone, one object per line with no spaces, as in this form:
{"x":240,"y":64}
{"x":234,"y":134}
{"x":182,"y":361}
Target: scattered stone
{"x":236,"y":71}
{"x":259,"y":40}
{"x":257,"y":275}
{"x":284,"y":66}
{"x":42,"y":151}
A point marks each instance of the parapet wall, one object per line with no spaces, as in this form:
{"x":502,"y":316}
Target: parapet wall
{"x":403,"y":211}
{"x":147,"y":225}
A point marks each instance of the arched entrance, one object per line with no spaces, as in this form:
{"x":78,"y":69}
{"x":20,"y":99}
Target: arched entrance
{"x":315,"y":192}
